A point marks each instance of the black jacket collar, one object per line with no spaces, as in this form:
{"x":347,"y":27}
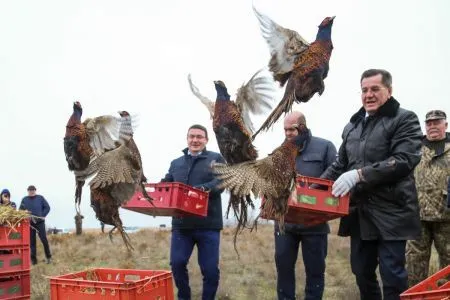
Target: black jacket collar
{"x":388,"y":109}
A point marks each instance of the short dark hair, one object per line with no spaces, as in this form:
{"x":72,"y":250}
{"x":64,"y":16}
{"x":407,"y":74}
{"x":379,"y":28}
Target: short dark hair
{"x":386,"y":77}
{"x":198,"y":126}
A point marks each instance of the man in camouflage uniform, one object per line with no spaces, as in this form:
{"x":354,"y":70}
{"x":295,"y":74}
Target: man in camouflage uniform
{"x":432,"y":182}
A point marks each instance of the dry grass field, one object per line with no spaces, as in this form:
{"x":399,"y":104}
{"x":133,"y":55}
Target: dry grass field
{"x":253,"y":276}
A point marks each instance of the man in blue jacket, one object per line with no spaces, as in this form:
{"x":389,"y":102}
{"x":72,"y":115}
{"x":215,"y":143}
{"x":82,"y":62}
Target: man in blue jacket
{"x":193,"y":168}
{"x":37,"y":206}
{"x":313,"y":159}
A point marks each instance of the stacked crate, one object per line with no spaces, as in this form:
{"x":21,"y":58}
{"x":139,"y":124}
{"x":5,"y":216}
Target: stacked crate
{"x":15,"y":261}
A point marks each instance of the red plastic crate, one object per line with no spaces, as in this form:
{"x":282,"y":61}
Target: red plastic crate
{"x":170,"y":199}
{"x":17,"y":236}
{"x":15,"y":285}
{"x":14,"y":258}
{"x":113,"y":284}
{"x":429,"y":289}
{"x":314,"y":204}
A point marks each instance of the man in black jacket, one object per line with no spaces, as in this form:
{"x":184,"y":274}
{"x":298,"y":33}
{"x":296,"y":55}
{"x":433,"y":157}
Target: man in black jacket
{"x":375,"y":164}
{"x":314,"y":158}
{"x":193,"y":168}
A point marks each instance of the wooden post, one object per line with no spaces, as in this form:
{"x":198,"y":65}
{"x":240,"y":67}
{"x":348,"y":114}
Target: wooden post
{"x":79,"y":223}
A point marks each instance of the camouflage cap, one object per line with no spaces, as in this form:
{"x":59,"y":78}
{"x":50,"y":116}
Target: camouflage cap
{"x":435,"y":115}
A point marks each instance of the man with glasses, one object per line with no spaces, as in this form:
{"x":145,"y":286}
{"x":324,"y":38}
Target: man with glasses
{"x":433,"y":188}
{"x":375,"y":164}
{"x":194,"y":168}
{"x":37,"y":206}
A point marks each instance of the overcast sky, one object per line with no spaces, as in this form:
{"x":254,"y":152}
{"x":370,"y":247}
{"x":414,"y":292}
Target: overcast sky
{"x":135,"y":56}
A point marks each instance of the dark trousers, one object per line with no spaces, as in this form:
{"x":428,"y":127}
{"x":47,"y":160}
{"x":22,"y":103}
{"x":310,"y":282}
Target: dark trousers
{"x":40,"y":228}
{"x":365,"y":256}
{"x":314,"y":251}
{"x":182,"y":245}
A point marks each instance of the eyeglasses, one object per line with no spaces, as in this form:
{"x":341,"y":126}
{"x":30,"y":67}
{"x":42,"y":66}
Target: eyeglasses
{"x":5,"y":196}
{"x":373,"y":89}
{"x":194,"y":136}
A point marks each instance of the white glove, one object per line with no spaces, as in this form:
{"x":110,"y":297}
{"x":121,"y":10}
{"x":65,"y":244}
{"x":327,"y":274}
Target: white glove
{"x":345,"y":183}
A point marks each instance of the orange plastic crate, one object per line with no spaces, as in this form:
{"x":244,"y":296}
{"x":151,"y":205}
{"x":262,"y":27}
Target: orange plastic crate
{"x":15,"y":285}
{"x":314,"y":203}
{"x":111,"y":284}
{"x":17,"y":236}
{"x":170,"y":199}
{"x":429,"y":289}
{"x":14,"y":258}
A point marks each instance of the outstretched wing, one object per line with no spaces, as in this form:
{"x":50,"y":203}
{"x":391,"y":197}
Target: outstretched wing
{"x":112,"y":167}
{"x":255,"y":97}
{"x":285,"y":45}
{"x":259,"y":177}
{"x":207,"y":102}
{"x":105,"y":132}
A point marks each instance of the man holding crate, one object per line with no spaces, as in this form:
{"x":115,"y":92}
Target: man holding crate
{"x":193,"y":168}
{"x":313,"y":159}
{"x":375,"y":164}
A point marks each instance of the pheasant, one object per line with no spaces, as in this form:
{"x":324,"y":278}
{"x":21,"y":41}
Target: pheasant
{"x":303,"y":66}
{"x":86,"y":140}
{"x":233,"y":128}
{"x":272,"y":177}
{"x":117,"y":175}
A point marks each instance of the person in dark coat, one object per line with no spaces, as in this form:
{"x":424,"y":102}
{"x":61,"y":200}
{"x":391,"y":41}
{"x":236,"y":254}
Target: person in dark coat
{"x":5,"y":199}
{"x":37,"y":206}
{"x":194,"y":168}
{"x":313,"y":159}
{"x":375,"y":164}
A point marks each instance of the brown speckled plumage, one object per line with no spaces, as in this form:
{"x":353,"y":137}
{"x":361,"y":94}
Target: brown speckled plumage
{"x":303,"y":69}
{"x":272,"y":177}
{"x":233,"y":127}
{"x":118,"y":175}
{"x":83,"y":141}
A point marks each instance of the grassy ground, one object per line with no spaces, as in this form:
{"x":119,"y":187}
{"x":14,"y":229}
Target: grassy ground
{"x":253,"y":276}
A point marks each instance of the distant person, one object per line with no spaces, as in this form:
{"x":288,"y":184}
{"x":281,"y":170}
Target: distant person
{"x":193,"y":168}
{"x":6,"y":199}
{"x":37,"y":206}
{"x":312,"y":160}
{"x":375,"y":166}
{"x":433,"y":184}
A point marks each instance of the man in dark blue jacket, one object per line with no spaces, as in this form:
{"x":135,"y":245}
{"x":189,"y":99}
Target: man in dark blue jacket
{"x":313,"y":159}
{"x":37,"y":206}
{"x":193,"y":168}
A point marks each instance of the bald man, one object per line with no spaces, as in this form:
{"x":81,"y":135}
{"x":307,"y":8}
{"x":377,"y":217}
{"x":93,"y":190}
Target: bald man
{"x":313,"y":159}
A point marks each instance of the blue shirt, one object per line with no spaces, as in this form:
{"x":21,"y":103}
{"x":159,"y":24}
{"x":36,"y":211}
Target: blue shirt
{"x":37,"y":205}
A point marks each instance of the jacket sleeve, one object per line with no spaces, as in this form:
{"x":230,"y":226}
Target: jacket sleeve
{"x":213,"y":185}
{"x":331,"y":154}
{"x":405,"y":149}
{"x":339,"y":164}
{"x":169,"y":176}
{"x":22,"y":205}
{"x":45,"y":207}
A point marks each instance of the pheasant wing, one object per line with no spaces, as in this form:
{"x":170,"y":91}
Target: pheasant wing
{"x":259,"y":177}
{"x":107,"y":132}
{"x":284,"y":44}
{"x":255,"y":96}
{"x":112,"y":167}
